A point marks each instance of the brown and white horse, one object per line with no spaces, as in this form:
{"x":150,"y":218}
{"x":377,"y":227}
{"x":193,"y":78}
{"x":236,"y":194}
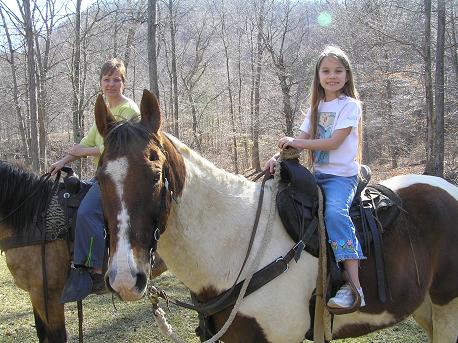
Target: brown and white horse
{"x":206,"y":229}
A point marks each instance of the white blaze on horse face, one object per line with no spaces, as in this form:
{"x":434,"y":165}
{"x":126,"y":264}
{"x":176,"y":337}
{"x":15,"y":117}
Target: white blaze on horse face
{"x":122,"y":274}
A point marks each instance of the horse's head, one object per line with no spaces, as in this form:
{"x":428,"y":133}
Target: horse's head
{"x":139,"y":173}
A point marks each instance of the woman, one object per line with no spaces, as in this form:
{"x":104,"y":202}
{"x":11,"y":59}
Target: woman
{"x":89,"y":245}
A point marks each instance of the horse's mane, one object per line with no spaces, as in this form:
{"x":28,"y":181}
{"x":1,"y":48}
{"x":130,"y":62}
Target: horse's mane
{"x":126,"y":136}
{"x":16,"y":185}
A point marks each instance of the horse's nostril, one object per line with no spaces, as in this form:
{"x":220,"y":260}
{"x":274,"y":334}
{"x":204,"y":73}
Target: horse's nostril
{"x":141,"y":282}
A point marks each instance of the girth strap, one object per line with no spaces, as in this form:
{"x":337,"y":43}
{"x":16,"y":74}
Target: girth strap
{"x":378,"y":252}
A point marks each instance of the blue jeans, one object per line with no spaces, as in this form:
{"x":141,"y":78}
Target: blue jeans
{"x":89,"y":245}
{"x":339,"y":192}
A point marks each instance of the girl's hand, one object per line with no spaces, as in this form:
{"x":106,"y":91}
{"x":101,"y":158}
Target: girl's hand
{"x":286,"y":142}
{"x":271,"y":163}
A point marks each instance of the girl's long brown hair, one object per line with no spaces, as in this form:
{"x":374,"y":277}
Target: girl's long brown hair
{"x":317,"y":94}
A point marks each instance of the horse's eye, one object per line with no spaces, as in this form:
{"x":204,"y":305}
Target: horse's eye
{"x":153,"y":156}
{"x":156,"y":177}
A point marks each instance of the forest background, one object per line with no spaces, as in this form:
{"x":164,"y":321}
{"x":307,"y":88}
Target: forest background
{"x":232,"y":76}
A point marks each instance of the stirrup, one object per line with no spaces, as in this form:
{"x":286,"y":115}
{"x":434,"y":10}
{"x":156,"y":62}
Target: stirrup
{"x":356,"y":303}
{"x":78,"y":285}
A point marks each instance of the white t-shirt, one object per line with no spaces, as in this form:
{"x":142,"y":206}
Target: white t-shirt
{"x":340,"y":113}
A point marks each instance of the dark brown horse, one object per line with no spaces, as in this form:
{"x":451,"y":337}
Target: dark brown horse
{"x":151,"y":183}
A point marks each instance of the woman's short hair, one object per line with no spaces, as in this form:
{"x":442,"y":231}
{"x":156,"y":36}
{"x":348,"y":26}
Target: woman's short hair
{"x":112,"y":65}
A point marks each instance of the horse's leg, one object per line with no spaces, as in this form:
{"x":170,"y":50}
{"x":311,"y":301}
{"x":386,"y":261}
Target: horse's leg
{"x":54,"y":326}
{"x":40,"y":327}
{"x":445,"y":322}
{"x":25,"y":265}
{"x":423,"y":316}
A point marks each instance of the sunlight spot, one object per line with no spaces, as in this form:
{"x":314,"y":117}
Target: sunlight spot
{"x":324,"y":19}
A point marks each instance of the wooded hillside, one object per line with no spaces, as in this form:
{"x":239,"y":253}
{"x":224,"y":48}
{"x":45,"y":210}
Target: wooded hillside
{"x":232,"y":76}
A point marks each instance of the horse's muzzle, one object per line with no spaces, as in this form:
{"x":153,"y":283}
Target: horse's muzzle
{"x":125,"y":278}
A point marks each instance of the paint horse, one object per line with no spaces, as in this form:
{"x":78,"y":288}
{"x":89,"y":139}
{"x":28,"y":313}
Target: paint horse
{"x":152,"y":182}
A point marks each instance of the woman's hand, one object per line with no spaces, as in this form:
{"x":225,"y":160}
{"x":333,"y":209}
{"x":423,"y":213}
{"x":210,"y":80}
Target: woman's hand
{"x":77,"y":150}
{"x":56,"y":166}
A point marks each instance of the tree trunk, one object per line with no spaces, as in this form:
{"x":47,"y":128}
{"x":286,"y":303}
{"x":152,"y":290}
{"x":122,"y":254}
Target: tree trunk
{"x":231,"y":101}
{"x":454,"y":44}
{"x":196,"y":139}
{"x":152,"y":56}
{"x":286,"y":97}
{"x":429,"y":102}
{"x":32,"y":84}
{"x":76,"y":84}
{"x":239,"y":103}
{"x":392,"y":141}
{"x":255,"y":160}
{"x":438,"y":150}
{"x":172,"y":24}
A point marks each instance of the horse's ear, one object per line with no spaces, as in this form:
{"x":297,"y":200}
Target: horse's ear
{"x":103,"y":116}
{"x":150,"y":112}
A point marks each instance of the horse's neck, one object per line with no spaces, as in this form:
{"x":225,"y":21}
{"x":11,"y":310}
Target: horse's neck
{"x":208,"y":230}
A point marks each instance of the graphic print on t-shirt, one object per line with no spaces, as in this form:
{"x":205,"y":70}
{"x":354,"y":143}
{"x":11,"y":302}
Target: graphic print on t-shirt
{"x":325,"y":125}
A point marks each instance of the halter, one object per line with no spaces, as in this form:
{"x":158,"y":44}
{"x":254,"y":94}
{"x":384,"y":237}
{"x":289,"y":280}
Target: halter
{"x":163,"y":205}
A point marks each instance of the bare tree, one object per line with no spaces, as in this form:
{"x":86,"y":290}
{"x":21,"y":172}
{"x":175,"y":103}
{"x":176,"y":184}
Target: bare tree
{"x":152,"y":53}
{"x":20,"y":117}
{"x":193,"y":67}
{"x":229,"y":87}
{"x":438,"y":119}
{"x":283,"y":39}
{"x":174,"y":76}
{"x":32,"y":84}
{"x":256,"y":77}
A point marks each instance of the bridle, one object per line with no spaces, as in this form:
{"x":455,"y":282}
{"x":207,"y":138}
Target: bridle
{"x":164,"y":203}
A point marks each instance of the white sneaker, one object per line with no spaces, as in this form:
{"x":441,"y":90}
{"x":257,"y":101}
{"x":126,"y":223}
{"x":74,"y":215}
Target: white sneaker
{"x":344,"y":298}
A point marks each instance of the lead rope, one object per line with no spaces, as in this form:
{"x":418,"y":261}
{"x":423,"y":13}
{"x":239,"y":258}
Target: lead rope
{"x":159,"y":314}
{"x":322,"y":323}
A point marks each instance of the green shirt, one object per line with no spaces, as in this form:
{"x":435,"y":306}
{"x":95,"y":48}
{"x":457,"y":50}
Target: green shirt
{"x":124,"y":111}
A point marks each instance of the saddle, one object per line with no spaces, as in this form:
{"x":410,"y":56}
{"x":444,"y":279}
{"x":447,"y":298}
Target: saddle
{"x":374,"y":209}
{"x":69,"y":195}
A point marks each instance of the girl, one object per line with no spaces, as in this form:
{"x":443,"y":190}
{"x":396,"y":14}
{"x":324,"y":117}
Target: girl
{"x":332,"y":132}
{"x":89,"y":245}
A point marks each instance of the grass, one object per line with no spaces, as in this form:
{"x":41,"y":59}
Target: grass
{"x":133,"y":321}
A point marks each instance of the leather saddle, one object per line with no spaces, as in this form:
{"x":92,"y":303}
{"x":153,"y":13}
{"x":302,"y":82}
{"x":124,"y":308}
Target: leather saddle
{"x":70,"y":194}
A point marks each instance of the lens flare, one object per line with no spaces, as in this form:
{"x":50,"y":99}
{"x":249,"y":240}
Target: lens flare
{"x":325,"y":18}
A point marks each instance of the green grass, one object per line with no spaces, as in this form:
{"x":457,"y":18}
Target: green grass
{"x":133,"y":321}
